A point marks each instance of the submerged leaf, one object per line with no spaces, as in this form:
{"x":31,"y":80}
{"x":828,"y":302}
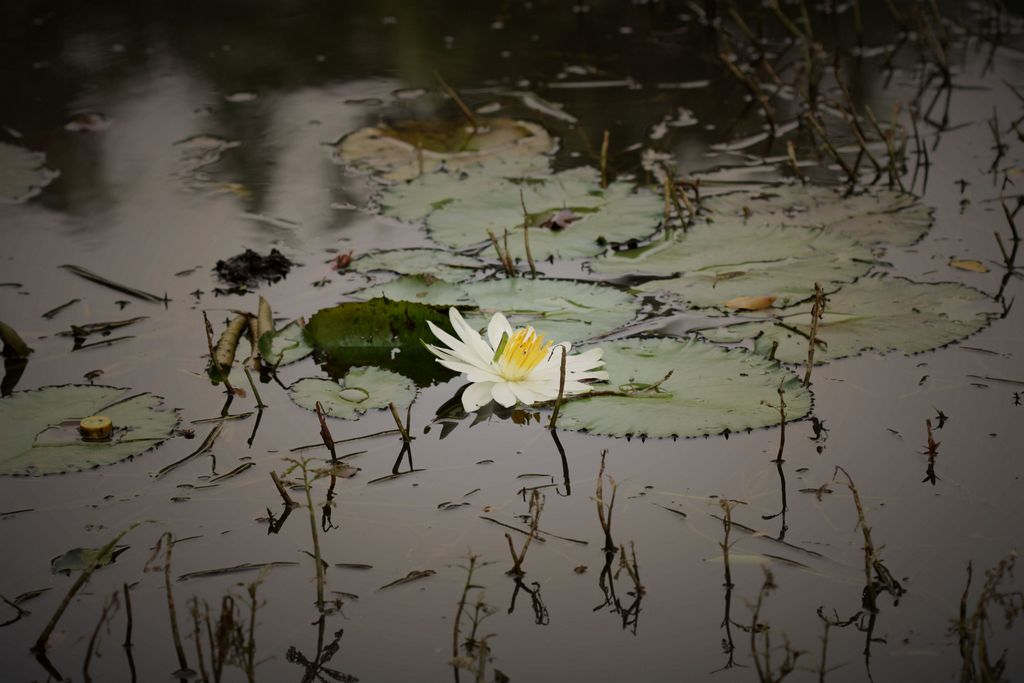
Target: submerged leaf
{"x":458,"y":211}
{"x":79,"y":559}
{"x":719,"y":262}
{"x":870,"y":217}
{"x":881,"y":313}
{"x":410,"y":150}
{"x":379,"y":332}
{"x":360,"y":390}
{"x":41,"y":435}
{"x":710,"y":390}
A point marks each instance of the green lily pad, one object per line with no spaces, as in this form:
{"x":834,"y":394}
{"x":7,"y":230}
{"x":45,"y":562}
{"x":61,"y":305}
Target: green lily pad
{"x":381,"y":333}
{"x":422,"y":147}
{"x":880,"y":313}
{"x":78,"y":559}
{"x":284,"y":346}
{"x":563,"y":310}
{"x":458,"y":212}
{"x":871,"y":216}
{"x":23,"y":174}
{"x":41,"y":436}
{"x":435,"y":263}
{"x":362,"y":389}
{"x":711,"y":390}
{"x":722,"y":261}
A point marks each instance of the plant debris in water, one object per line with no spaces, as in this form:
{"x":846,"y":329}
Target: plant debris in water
{"x":249,"y":269}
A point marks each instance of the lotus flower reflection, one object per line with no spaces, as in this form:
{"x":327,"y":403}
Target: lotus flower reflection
{"x":512,"y":365}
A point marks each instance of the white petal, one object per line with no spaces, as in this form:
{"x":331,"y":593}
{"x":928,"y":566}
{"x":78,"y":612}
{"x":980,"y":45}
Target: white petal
{"x":498,"y":327}
{"x":457,"y":347}
{"x":521,"y":392}
{"x":474,"y":343}
{"x":503,"y":395}
{"x":476,"y":395}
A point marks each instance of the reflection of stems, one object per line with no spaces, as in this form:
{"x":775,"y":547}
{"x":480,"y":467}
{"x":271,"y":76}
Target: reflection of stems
{"x":83,"y":578}
{"x":561,"y":393}
{"x":779,"y":462}
{"x":109,"y":604}
{"x":604,"y":514}
{"x":457,"y":626}
{"x":932,"y":451}
{"x":536,"y":506}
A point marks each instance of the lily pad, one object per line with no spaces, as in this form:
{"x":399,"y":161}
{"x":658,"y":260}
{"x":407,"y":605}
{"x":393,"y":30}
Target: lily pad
{"x":23,"y":174}
{"x":711,"y":390}
{"x":719,"y":262}
{"x":381,"y":333}
{"x":78,"y":559}
{"x":284,"y":346}
{"x":458,"y":212}
{"x":41,"y":436}
{"x":435,"y":263}
{"x":871,"y":216}
{"x":362,"y":389}
{"x":563,"y":310}
{"x":880,"y":313}
{"x":413,"y":149}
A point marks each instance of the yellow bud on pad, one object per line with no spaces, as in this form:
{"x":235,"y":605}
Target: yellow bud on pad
{"x":96,"y":428}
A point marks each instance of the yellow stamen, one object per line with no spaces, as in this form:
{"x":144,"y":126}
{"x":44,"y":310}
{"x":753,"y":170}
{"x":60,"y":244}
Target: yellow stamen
{"x":523,"y":352}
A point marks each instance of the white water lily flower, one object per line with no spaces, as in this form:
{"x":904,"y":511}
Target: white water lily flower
{"x":512,"y":365}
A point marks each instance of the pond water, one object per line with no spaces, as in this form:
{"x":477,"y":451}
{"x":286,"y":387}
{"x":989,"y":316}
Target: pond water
{"x":175,"y":137}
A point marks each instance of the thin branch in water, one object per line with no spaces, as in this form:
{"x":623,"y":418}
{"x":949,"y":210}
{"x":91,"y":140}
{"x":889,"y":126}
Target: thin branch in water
{"x":536,"y":507}
{"x":816,"y":312}
{"x":526,"y":236}
{"x":325,"y":432}
{"x":561,"y":393}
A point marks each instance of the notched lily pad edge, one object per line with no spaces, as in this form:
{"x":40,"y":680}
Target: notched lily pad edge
{"x":170,"y":435}
{"x":675,"y":437}
{"x":990,"y":317}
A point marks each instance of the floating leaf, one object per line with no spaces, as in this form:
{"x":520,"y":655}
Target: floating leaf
{"x":78,"y":559}
{"x":419,"y":147}
{"x":458,"y":211}
{"x":711,"y":390}
{"x":563,"y":310}
{"x":972,"y":266}
{"x":41,"y":436}
{"x":437,"y":263}
{"x":721,"y":262}
{"x":881,"y":313}
{"x":22,"y":174}
{"x":360,"y":390}
{"x":284,"y":346}
{"x":869,"y":217}
{"x":379,"y":332}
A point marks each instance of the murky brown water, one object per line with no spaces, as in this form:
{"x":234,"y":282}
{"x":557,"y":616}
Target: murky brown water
{"x":129,"y":204}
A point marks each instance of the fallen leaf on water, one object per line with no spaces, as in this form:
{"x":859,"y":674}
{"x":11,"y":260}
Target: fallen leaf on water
{"x":973,"y":266}
{"x":750,"y":303}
